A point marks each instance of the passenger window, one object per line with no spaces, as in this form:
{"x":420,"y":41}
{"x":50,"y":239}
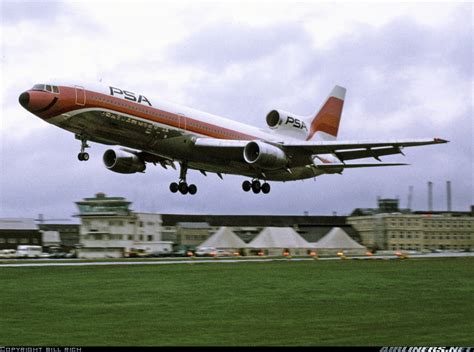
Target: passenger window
{"x":49,"y":89}
{"x":55,"y":89}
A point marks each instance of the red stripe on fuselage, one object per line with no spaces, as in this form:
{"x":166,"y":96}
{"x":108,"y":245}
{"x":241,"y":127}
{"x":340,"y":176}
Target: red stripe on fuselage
{"x":103,"y":101}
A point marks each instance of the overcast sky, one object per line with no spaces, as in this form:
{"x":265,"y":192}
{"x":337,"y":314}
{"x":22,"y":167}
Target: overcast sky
{"x":407,"y":68}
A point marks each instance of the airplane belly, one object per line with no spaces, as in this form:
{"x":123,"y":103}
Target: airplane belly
{"x":109,"y":127}
{"x":99,"y":125}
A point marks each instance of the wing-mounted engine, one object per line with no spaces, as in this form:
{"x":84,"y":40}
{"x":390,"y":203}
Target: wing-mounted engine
{"x":265,"y":156}
{"x":123,"y":161}
{"x":288,"y":124}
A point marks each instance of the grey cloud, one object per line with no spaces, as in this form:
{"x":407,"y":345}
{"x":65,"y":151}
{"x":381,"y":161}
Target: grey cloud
{"x":222,"y":44}
{"x":41,"y":173}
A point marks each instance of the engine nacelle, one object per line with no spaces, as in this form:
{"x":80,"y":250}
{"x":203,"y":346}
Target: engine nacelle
{"x":123,"y":162}
{"x":265,"y":156}
{"x":286,"y":123}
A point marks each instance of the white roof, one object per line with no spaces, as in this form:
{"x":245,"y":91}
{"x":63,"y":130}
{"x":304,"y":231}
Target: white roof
{"x":279,"y":237}
{"x":18,"y":224}
{"x":337,"y":238}
{"x":224,"y":238}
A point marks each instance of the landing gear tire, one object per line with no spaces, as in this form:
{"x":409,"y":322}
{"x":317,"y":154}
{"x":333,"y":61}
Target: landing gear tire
{"x":192,"y":189}
{"x":83,"y":156}
{"x":246,"y":186}
{"x":265,"y":188}
{"x":256,"y":186}
{"x":183,"y":188}
{"x":174,"y":187}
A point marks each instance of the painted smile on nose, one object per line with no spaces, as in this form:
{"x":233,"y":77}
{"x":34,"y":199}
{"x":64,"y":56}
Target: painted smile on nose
{"x":49,"y":106}
{"x":25,"y":100}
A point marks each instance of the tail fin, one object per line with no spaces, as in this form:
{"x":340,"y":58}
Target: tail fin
{"x":325,"y":123}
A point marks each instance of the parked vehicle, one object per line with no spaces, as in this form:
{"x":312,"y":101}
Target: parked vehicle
{"x":179,"y":253}
{"x":223,"y":253}
{"x":24,"y":251}
{"x":139,"y":253}
{"x":205,"y":252}
{"x":8,"y":253}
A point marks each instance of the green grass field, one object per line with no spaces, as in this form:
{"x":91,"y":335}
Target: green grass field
{"x":343,"y":302}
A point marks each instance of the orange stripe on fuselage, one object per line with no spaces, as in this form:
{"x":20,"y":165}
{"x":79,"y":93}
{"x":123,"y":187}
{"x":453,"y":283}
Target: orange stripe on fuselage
{"x":119,"y":105}
{"x":328,"y":118}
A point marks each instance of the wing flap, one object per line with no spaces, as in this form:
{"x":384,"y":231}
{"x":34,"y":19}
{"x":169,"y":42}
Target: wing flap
{"x":336,"y":166}
{"x":386,"y":147}
{"x":367,"y":153}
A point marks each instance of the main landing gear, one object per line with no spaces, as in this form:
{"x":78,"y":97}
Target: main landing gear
{"x":256,"y":186}
{"x":182,"y":186}
{"x":83,"y":156}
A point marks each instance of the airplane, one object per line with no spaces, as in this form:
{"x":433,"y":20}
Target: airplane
{"x":159,"y":132}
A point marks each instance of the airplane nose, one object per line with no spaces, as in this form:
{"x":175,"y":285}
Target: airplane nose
{"x":24,"y":99}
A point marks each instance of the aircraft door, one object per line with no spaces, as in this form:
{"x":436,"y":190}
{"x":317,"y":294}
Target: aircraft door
{"x":80,"y":95}
{"x":182,"y":121}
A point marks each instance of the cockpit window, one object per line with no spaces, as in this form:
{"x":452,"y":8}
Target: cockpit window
{"x":46,"y":88}
{"x":38,"y":87}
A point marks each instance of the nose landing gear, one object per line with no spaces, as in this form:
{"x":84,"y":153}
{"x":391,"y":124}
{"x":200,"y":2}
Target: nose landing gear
{"x":83,"y":156}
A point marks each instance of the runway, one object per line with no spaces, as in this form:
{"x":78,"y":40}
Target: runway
{"x":76,"y":262}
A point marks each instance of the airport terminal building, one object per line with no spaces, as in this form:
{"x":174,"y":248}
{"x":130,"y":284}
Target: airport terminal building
{"x":109,"y":228}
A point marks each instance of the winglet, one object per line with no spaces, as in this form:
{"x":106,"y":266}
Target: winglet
{"x":440,"y":140}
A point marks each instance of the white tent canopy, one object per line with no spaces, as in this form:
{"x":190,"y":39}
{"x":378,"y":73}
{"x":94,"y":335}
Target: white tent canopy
{"x":337,"y":238}
{"x":279,"y":237}
{"x":224,"y":238}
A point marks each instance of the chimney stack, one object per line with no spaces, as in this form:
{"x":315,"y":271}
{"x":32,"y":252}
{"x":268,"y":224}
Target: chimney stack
{"x":430,"y":196}
{"x":410,"y":197}
{"x":448,"y":194}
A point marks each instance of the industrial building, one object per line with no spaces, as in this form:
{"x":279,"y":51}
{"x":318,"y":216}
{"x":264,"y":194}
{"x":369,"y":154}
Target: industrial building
{"x":110,"y":228}
{"x":17,"y":231}
{"x":68,"y":234}
{"x":420,"y":231}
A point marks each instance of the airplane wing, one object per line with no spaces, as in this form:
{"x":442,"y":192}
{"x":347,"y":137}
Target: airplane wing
{"x":349,"y":150}
{"x":344,"y":150}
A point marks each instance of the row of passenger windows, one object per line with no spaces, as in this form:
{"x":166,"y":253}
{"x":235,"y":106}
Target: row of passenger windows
{"x":46,"y":88}
{"x":168,"y":117}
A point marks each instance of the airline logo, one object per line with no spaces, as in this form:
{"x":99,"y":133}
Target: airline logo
{"x":296,"y":123}
{"x":129,"y":96}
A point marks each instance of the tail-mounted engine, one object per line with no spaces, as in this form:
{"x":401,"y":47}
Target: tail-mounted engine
{"x":123,"y":162}
{"x":288,"y":124}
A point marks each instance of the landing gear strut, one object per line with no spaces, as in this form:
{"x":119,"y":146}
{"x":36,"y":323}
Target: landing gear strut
{"x":256,"y":186}
{"x":182,"y":186}
{"x":83,"y":156}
